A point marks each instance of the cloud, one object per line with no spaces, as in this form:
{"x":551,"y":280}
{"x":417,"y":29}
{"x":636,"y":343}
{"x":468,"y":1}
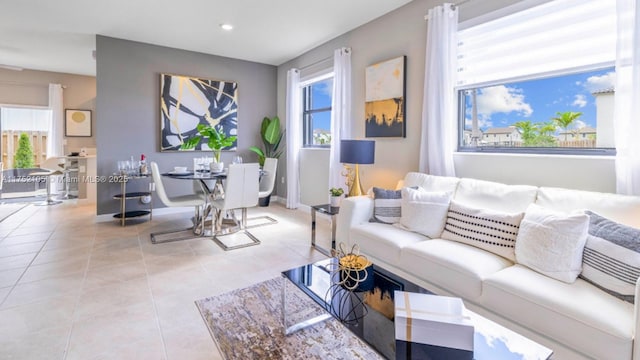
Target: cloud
{"x":483,"y":123}
{"x":580,"y":101}
{"x":325,"y":87}
{"x":502,"y":99}
{"x":579,"y":124}
{"x":606,"y":81}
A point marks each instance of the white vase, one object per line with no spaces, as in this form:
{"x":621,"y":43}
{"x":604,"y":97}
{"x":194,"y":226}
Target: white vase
{"x":216,"y":167}
{"x":335,"y":201}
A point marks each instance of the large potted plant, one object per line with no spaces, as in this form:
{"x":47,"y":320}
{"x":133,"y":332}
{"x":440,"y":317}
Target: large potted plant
{"x":271,"y":136}
{"x":217,"y":140}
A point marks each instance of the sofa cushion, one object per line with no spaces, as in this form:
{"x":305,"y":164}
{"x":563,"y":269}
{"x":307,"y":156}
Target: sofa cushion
{"x":552,"y":243}
{"x":431,"y":182}
{"x":383,"y":241}
{"x":611,"y":258}
{"x":578,"y":314}
{"x":453,"y":266}
{"x":489,"y":230}
{"x":620,"y":208}
{"x":386,"y":205}
{"x":495,"y":196}
{"x":423,"y":211}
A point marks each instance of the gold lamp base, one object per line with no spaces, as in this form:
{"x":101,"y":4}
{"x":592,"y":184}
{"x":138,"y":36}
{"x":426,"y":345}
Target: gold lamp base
{"x":355,"y":188}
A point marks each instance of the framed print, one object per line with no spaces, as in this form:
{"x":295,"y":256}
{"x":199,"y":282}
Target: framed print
{"x":77,"y":122}
{"x":385,"y":99}
{"x":186,"y":102}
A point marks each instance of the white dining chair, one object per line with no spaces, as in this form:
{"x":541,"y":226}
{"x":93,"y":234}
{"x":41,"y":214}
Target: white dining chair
{"x":267,"y":184}
{"x":268,"y":180}
{"x":240,"y":192}
{"x":50,"y":167}
{"x":198,"y":201}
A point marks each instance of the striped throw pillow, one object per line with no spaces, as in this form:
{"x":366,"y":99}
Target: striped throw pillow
{"x":386,"y":205}
{"x":611,"y":258}
{"x":489,"y":230}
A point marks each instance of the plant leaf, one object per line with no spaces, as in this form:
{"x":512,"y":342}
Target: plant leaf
{"x":273,"y":131}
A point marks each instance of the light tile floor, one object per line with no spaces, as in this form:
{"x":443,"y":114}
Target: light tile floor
{"x":75,"y":288}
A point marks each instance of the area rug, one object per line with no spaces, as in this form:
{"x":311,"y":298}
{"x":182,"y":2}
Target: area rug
{"x":7,"y":210}
{"x":247,"y":324}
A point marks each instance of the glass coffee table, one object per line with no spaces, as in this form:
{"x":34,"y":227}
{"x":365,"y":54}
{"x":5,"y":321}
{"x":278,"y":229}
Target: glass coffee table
{"x":369,"y":314}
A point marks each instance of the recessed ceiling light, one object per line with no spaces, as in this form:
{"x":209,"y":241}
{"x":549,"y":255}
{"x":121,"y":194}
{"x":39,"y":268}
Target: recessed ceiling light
{"x":227,"y":27}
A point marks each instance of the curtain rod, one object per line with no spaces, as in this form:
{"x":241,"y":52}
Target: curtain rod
{"x":322,"y":60}
{"x":453,"y":5}
{"x":316,"y":63}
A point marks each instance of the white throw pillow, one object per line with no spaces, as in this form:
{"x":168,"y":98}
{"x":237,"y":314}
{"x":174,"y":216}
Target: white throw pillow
{"x":424,"y":212}
{"x":490,"y":230}
{"x":552,"y":243}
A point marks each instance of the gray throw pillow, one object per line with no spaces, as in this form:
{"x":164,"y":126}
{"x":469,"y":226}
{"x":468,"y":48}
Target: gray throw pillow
{"x":611,"y":258}
{"x":386,"y":205}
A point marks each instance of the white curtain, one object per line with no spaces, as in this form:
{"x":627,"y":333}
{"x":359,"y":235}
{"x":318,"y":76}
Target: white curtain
{"x":56,"y":130}
{"x":627,"y":98}
{"x":439,"y":124}
{"x":340,"y":114}
{"x":294,"y":138}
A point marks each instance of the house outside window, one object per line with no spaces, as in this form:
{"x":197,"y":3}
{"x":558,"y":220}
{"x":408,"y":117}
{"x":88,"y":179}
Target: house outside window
{"x":316,"y":111}
{"x":554,"y":95}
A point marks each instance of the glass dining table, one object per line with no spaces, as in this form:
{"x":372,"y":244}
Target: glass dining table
{"x":211,"y":185}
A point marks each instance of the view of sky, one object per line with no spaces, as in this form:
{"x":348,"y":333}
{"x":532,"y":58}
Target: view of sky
{"x":321,"y":96}
{"x":540,"y":100}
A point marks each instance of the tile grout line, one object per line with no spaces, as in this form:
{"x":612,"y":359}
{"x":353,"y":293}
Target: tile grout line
{"x":77,"y":302}
{"x":30,"y":262}
{"x":153,"y":299}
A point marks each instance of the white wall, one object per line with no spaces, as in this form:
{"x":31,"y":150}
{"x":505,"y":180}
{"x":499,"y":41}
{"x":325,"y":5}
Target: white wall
{"x":403,"y":32}
{"x":314,"y":182}
{"x":574,"y":172}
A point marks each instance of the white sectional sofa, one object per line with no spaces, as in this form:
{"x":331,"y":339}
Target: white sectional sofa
{"x":577,"y":320}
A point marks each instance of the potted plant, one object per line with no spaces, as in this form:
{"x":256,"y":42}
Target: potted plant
{"x":271,"y":136}
{"x":218,"y":140}
{"x":336,"y":193}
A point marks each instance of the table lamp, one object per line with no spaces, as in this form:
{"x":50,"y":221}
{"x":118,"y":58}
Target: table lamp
{"x":356,"y":152}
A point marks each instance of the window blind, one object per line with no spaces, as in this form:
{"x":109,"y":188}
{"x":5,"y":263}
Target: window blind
{"x":559,"y":36}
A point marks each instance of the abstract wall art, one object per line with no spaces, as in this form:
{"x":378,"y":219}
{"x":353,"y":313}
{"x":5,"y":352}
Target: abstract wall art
{"x":77,"y":122}
{"x":186,"y":102}
{"x":385,"y":98}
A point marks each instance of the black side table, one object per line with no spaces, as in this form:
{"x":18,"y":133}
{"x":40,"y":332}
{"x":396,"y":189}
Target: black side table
{"x":332,"y":211}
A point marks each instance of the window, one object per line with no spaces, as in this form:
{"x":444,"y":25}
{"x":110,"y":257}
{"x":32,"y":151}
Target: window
{"x":316,"y":111}
{"x":35,"y":122}
{"x":570,"y":113}
{"x":553,"y":93}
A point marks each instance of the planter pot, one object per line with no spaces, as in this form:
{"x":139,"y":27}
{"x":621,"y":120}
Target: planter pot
{"x":264,"y":201}
{"x":216,"y":167}
{"x":335,"y":201}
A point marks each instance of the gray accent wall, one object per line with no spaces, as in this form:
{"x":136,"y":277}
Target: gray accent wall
{"x":128,"y":101}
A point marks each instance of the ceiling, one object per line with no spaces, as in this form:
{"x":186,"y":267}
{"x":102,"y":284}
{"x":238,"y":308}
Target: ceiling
{"x":60,"y":35}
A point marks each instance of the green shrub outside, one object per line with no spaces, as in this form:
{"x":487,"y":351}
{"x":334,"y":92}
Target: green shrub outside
{"x":24,"y":155}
